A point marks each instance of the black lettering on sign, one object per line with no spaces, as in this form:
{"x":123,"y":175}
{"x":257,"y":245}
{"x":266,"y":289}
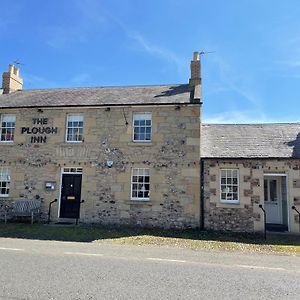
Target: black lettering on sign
{"x":40,"y":121}
{"x":38,"y":131}
{"x":38,"y":139}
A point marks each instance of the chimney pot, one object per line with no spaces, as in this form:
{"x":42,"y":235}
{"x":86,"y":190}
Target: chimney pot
{"x":196,"y":55}
{"x":10,"y":68}
{"x":11,"y":80}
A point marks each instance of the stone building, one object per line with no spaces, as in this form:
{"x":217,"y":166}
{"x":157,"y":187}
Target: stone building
{"x":132,"y":153}
{"x":140,"y":156}
{"x":248,"y":165}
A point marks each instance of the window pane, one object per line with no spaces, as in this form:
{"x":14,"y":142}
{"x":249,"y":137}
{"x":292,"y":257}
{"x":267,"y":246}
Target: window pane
{"x":266,"y":190}
{"x":140,"y":183}
{"x":4,"y":181}
{"x":74,"y":128}
{"x":229,"y":185}
{"x":7,"y":127}
{"x":140,"y":131}
{"x":273,"y":190}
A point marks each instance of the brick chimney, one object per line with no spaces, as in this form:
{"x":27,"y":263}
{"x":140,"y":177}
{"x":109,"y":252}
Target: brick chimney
{"x":195,"y":80}
{"x":11,"y":81}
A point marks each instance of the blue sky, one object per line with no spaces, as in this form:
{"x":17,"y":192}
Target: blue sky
{"x":253,"y":76}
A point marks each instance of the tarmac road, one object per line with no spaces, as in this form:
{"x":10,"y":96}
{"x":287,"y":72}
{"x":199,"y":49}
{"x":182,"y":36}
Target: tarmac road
{"x":32,"y":269}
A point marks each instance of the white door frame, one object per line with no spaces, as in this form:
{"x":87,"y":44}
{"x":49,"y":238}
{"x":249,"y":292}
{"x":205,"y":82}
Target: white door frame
{"x":283,"y":176}
{"x":62,"y":172}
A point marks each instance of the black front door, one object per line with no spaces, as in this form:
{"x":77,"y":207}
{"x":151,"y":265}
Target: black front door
{"x":70,"y":196}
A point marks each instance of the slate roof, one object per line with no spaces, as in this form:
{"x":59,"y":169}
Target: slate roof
{"x":129,"y":95}
{"x":250,"y":141}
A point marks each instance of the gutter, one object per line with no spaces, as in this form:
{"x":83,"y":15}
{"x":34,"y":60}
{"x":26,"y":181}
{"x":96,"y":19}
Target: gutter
{"x":101,"y":105}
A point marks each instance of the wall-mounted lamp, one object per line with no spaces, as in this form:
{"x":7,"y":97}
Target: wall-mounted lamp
{"x":40,"y":110}
{"x":177,"y":107}
{"x":107,"y":109}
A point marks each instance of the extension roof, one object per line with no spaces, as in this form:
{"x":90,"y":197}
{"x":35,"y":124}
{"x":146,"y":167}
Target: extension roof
{"x":250,"y":140}
{"x":99,"y":96}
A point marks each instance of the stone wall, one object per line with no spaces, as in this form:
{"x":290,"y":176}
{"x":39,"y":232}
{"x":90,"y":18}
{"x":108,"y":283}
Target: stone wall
{"x":246,"y":216}
{"x":172,"y":158}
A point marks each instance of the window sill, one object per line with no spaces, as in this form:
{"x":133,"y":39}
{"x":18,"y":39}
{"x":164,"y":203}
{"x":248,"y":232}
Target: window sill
{"x":230,"y":202}
{"x":139,"y":202}
{"x":4,"y":196}
{"x":6,"y":142}
{"x":136,"y":143}
{"x":74,"y":143}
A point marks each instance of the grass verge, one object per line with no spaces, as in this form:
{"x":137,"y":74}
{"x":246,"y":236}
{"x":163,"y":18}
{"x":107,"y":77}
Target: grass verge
{"x":188,"y":239}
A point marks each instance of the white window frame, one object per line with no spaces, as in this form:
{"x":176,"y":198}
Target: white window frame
{"x":72,"y":170}
{"x":141,"y":172}
{"x":230,"y":186}
{"x":5,"y":178}
{"x":13,"y":117}
{"x":70,"y":115}
{"x":138,"y":116}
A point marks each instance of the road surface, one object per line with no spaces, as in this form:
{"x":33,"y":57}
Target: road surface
{"x":32,"y":269}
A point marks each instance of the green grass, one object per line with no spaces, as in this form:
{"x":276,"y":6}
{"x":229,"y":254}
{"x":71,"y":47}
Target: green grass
{"x":189,"y":239}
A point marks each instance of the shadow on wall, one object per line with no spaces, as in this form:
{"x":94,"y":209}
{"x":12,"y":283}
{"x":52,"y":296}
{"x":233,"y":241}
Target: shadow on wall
{"x":137,"y":235}
{"x":296,"y":146}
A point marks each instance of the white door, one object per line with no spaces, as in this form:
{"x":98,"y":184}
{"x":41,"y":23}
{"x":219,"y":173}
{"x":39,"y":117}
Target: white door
{"x":273,"y":201}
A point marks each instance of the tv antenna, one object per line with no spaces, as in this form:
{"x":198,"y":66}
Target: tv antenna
{"x":205,"y":52}
{"x":18,"y":62}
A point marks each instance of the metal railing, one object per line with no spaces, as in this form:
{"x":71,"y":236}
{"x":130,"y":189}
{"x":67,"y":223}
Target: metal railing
{"x":265,"y":221}
{"x":298,"y":212}
{"x":49,"y":210}
{"x":82,"y":201}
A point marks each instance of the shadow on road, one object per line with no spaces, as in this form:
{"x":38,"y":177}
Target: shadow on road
{"x":85,"y":233}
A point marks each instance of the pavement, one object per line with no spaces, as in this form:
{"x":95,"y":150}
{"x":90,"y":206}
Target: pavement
{"x":34,"y":269}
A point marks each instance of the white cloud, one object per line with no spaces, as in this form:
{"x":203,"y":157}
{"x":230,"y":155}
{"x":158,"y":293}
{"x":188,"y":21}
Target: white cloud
{"x":289,"y":63}
{"x":96,"y":14}
{"x":241,"y":117}
{"x":156,"y":50}
{"x":32,"y":80}
{"x":62,"y":37}
{"x":81,"y":79}
{"x":237,"y":81}
{"x":9,"y":15}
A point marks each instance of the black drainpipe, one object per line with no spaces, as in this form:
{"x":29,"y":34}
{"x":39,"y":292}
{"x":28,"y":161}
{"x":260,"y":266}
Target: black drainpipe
{"x":201,"y":194}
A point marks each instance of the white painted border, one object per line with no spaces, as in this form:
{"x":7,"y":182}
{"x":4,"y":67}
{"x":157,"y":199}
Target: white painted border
{"x":140,"y":199}
{"x":220,"y":191}
{"x":141,"y":113}
{"x":275,"y":174}
{"x":287,"y":194}
{"x":66,"y":131}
